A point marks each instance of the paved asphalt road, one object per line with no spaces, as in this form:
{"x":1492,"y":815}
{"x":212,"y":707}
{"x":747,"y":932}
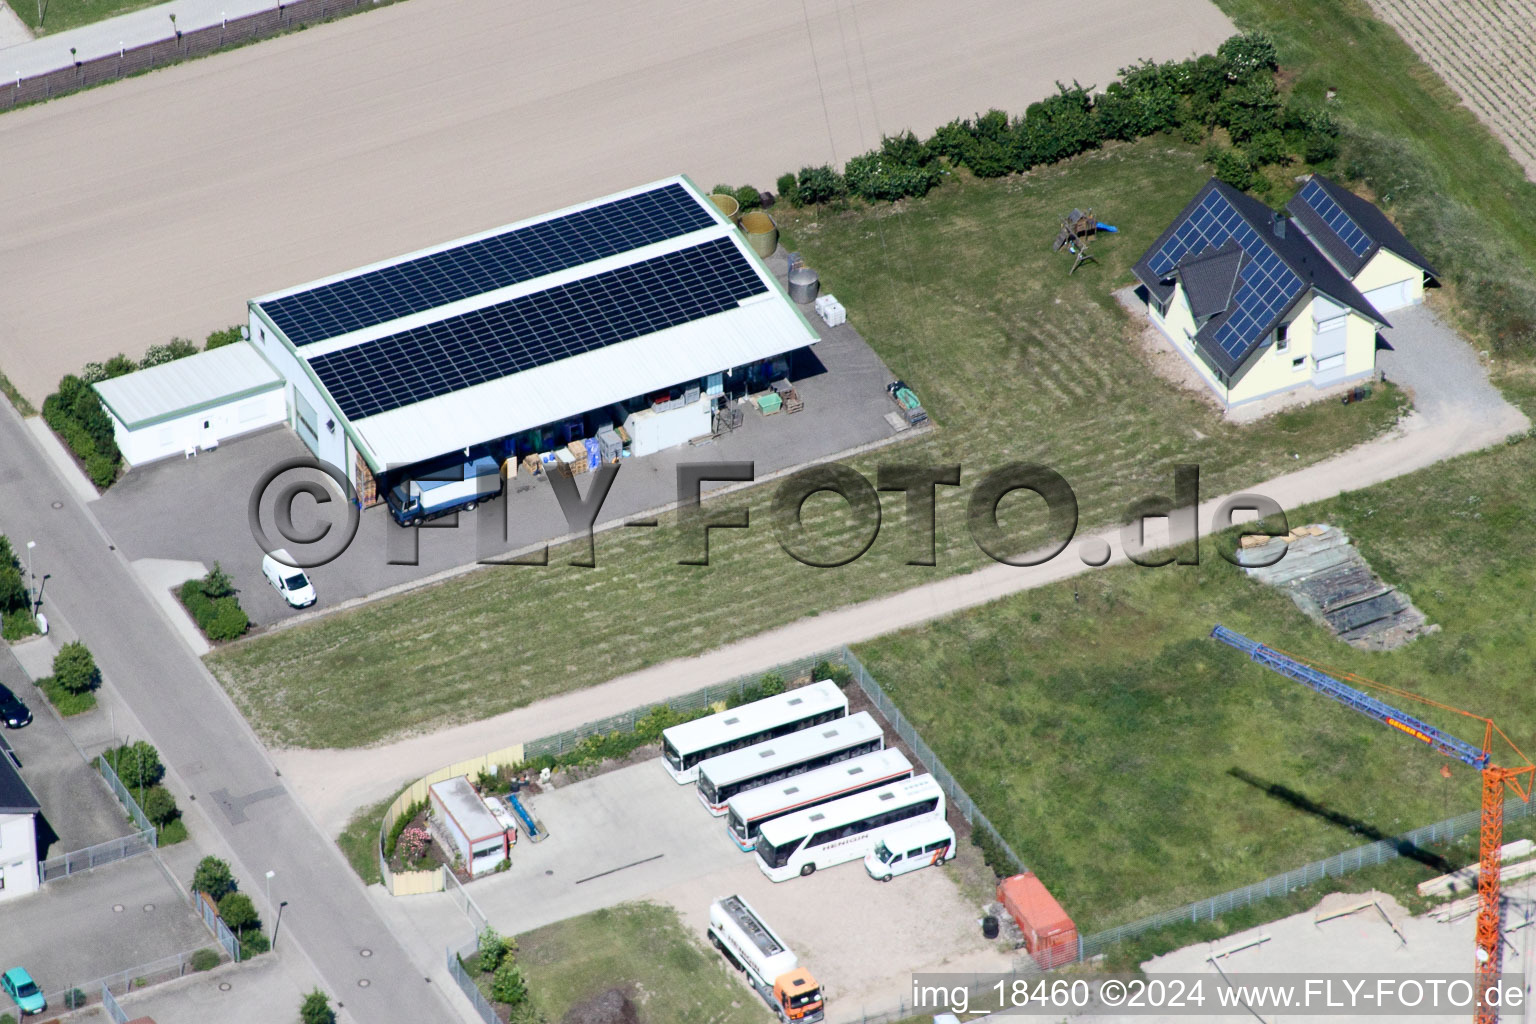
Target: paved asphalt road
{"x":157,"y":206}
{"x":192,"y":722}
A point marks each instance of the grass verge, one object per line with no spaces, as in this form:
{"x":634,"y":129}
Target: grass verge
{"x":1137,"y":765}
{"x":45,"y":17}
{"x":16,"y":398}
{"x":641,"y":949}
{"x":360,"y":840}
{"x":67,"y":702}
{"x":962,"y":296}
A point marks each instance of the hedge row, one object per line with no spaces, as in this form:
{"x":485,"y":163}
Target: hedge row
{"x":1234,"y":90}
{"x":212,"y":603}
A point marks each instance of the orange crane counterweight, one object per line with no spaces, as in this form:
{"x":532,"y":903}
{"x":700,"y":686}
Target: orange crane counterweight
{"x":1496,"y":782}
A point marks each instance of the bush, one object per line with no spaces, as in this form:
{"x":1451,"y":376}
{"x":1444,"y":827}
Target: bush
{"x":508,"y":986}
{"x":159,"y":806}
{"x":217,"y":583}
{"x":214,"y":878}
{"x":252,"y":943}
{"x":789,"y":189}
{"x":205,"y":960}
{"x":316,"y":1009}
{"x":1231,"y":166}
{"x":494,"y":949}
{"x":416,"y":840}
{"x":74,"y":669}
{"x":136,"y":764}
{"x":63,"y":700}
{"x":1055,"y":128}
{"x":406,"y":817}
{"x":839,"y":673}
{"x":1267,"y":148}
{"x":212,"y":604}
{"x":872,"y":177}
{"x":172,"y":832}
{"x":229,"y":620}
{"x":17,"y":624}
{"x":6,"y":1018}
{"x":176,"y":348}
{"x":819,"y":185}
{"x":74,"y":999}
{"x":1248,"y":56}
{"x":749,"y":197}
{"x":74,"y":412}
{"x":238,"y":912}
{"x":218,"y":339}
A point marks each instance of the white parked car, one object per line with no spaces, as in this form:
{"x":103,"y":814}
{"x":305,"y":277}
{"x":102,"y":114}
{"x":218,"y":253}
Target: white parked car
{"x":910,"y":848}
{"x":293,"y":584}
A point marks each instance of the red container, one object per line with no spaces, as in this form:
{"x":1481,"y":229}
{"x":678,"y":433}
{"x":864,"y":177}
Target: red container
{"x":1049,"y":934}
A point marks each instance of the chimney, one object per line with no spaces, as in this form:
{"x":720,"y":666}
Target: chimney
{"x":1279,"y":226}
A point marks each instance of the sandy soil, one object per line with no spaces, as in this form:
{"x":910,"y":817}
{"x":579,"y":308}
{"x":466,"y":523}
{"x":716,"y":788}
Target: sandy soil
{"x":157,"y":206}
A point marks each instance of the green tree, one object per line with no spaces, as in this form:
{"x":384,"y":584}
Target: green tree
{"x":1248,"y":55}
{"x":316,"y":1009}
{"x":159,"y":806}
{"x":228,"y":336}
{"x":137,"y":764}
{"x":238,"y":911}
{"x":176,"y":348}
{"x":508,"y":985}
{"x":217,"y":583}
{"x":13,"y":589}
{"x":74,"y":668}
{"x":214,"y":878}
{"x":494,"y":949}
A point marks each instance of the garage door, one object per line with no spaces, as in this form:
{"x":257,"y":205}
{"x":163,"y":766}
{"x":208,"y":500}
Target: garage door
{"x":1390,"y":297}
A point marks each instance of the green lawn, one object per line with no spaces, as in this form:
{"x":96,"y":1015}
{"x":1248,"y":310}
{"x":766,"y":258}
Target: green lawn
{"x":48,"y":16}
{"x":642,"y":949}
{"x":962,"y":296}
{"x":1133,"y":762}
{"x":360,"y":840}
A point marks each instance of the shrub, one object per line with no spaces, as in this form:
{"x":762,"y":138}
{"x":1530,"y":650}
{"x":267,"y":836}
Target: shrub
{"x":1055,"y":128}
{"x":119,"y":365}
{"x":1267,"y":148}
{"x":205,"y":960}
{"x":494,"y":949}
{"x":254,"y":942}
{"x":316,"y":1009}
{"x":508,"y":986}
{"x":1250,"y":109}
{"x":229,"y":620}
{"x":74,"y":669}
{"x":6,"y":1018}
{"x":406,"y":817}
{"x":74,"y":999}
{"x":819,"y":185}
{"x":74,"y":412}
{"x":873,"y":177}
{"x":839,"y":673}
{"x":176,"y":348}
{"x":950,"y":141}
{"x":217,"y":583}
{"x":789,"y":188}
{"x":214,"y":878}
{"x":238,"y":912}
{"x":416,"y":840}
{"x":218,"y":339}
{"x":172,"y":832}
{"x":17,"y":624}
{"x":13,"y":589}
{"x":137,"y":764}
{"x":1230,"y":165}
{"x":749,"y":197}
{"x":66,"y":702}
{"x":159,"y":806}
{"x":988,"y":158}
{"x":1248,"y":56}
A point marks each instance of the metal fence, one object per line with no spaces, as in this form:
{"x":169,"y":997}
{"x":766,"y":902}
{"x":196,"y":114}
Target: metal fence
{"x":109,"y":1003}
{"x":94,"y":856}
{"x":471,"y":991}
{"x":135,"y":812}
{"x":104,"y":991}
{"x":220,"y":930}
{"x":625,"y":722}
{"x":466,"y":903}
{"x":1337,"y":866}
{"x":179,"y":45}
{"x":958,"y":797}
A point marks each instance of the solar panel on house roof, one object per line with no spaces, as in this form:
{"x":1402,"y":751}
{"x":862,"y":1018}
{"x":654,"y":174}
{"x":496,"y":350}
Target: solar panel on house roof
{"x":1317,"y":197}
{"x":521,"y":254}
{"x":1266,"y":284}
{"x":510,"y":337}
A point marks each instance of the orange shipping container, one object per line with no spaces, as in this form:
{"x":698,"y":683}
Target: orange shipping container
{"x":1049,"y":934}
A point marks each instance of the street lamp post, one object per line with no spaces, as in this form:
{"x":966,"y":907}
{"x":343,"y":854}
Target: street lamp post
{"x":31,"y":577}
{"x":269,"y":887}
{"x":278,"y":924}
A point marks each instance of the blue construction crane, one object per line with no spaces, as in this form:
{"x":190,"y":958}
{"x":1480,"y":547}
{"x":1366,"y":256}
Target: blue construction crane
{"x":1496,"y":781}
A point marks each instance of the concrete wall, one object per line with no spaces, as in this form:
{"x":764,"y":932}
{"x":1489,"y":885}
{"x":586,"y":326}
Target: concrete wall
{"x":175,"y":436}
{"x":18,"y":855}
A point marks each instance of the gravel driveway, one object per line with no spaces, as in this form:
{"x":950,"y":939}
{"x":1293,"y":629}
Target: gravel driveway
{"x":1441,"y":372}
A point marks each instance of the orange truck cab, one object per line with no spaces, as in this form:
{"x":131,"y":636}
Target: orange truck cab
{"x":798,"y":996}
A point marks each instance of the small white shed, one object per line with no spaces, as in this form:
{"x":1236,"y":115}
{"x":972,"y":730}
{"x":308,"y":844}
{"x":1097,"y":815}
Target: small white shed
{"x":480,"y":837}
{"x":192,"y":403}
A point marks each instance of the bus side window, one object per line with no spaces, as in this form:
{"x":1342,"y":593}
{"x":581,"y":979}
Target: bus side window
{"x":915,"y":853}
{"x":935,"y":847}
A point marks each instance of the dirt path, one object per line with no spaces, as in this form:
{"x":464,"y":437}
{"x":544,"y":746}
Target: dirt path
{"x":333,"y":782}
{"x":157,"y":206}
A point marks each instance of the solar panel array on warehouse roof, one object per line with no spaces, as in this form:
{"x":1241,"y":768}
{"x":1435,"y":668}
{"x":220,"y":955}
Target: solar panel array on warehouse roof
{"x":525,"y":325}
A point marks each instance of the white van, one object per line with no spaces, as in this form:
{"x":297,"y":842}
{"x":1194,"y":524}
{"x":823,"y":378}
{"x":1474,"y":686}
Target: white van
{"x":910,"y":848}
{"x":293,"y":584}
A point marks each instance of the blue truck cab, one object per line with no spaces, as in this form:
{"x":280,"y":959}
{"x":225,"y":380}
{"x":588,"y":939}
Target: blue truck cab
{"x":444,"y":486}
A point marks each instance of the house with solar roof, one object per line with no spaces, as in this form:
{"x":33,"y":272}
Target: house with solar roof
{"x":1261,"y":303}
{"x":642,"y":307}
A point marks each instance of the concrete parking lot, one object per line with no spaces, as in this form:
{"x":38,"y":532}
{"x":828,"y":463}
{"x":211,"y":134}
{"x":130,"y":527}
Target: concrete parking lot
{"x":96,"y":923}
{"x":78,"y":809}
{"x":635,"y":834}
{"x":195,"y":510}
{"x":258,"y":991}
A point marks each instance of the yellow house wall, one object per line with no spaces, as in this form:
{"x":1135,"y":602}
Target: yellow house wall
{"x":1360,"y":345}
{"x":1387,"y":268}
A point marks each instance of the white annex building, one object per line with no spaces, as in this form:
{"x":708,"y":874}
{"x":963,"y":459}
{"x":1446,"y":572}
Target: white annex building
{"x":642,"y":308}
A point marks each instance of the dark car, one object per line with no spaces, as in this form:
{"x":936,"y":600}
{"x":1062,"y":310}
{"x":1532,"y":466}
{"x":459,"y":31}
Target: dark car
{"x":12,"y":711}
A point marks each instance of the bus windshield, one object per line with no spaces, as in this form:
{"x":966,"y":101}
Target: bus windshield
{"x":670,"y":753}
{"x":883,"y":852}
{"x":707,"y":789}
{"x":736,"y":824}
{"x":776,"y":856}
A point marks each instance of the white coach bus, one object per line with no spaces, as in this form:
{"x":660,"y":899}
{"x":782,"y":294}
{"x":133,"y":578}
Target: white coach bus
{"x":741,"y":771}
{"x":746,"y":812}
{"x":684,"y":746}
{"x":846,"y":829}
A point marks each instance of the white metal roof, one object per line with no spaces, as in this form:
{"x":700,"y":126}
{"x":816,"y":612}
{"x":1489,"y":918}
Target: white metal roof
{"x":466,"y":808}
{"x":761,"y":327}
{"x":186,"y":385}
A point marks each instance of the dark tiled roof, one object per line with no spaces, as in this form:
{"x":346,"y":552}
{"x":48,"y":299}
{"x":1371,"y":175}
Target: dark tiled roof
{"x":1210,"y":279}
{"x":1376,"y":230}
{"x":15,"y":796}
{"x":1279,"y":267}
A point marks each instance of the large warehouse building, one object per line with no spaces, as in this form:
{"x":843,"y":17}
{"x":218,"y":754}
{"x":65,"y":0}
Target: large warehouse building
{"x":644,"y":308}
